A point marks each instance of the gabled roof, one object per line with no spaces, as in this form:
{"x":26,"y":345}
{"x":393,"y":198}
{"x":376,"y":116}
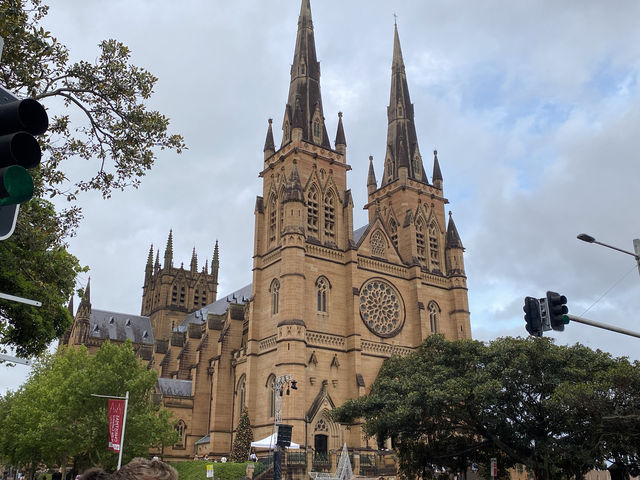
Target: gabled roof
{"x":218,"y":307}
{"x":120,"y":327}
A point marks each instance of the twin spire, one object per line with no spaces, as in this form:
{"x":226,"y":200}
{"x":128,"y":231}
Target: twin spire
{"x":304,"y":115}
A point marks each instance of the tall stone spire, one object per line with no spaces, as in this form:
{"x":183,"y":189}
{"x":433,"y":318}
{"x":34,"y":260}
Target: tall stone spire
{"x":341,"y":141}
{"x":402,"y":142}
{"x":269,"y":145}
{"x":453,"y":238}
{"x":168,"y":252}
{"x":215,"y":263}
{"x":304,"y":101}
{"x":436,"y":178}
{"x":156,"y":265}
{"x":194,"y":261}
{"x":372,"y":183}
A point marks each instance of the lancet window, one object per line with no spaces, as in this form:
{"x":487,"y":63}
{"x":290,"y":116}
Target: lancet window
{"x":420,"y":239}
{"x":434,"y":251}
{"x":329,"y":216}
{"x":312,"y":211}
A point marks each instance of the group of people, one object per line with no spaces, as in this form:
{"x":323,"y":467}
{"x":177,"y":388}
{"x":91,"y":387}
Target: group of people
{"x":136,"y":469}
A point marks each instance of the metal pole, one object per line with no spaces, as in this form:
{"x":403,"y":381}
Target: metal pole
{"x":124,"y":424}
{"x":604,"y":326}
{"x":636,"y":248}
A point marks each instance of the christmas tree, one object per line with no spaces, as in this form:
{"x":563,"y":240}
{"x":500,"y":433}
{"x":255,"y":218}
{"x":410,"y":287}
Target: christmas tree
{"x":244,"y":436}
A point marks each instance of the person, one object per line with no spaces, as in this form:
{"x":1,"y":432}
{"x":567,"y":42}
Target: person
{"x":223,"y":459}
{"x":136,"y":469}
{"x":253,"y":457}
{"x":145,"y":469}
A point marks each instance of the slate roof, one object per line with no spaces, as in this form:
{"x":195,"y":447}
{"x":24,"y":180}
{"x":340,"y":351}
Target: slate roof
{"x":218,"y":307}
{"x":174,"y":387}
{"x":357,"y":234}
{"x":120,"y":327}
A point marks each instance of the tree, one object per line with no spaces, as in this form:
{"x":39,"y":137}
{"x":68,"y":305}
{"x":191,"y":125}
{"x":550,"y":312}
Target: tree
{"x":105,"y":119}
{"x":530,"y":402}
{"x":53,"y":418}
{"x":244,"y":436}
{"x":35,"y":265}
{"x":97,"y":113}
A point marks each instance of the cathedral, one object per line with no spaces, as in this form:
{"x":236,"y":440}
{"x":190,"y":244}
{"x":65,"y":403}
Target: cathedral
{"x":328,"y":302}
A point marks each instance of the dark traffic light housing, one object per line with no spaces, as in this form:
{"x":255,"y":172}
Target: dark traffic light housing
{"x":20,"y":120}
{"x":532,"y":316}
{"x":557,"y":307}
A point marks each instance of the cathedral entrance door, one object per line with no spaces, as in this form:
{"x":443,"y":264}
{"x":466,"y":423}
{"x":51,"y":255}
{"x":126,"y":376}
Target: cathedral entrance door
{"x":320,"y":444}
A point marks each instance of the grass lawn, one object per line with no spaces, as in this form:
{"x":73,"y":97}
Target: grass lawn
{"x":197,"y":470}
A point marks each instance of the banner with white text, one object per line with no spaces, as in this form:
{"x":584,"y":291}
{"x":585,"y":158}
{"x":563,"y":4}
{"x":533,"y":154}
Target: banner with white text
{"x":116,"y":415}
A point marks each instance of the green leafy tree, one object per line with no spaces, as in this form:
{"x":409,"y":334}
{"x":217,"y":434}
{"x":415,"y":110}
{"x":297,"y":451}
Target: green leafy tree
{"x":97,"y":113}
{"x":35,"y":265}
{"x":523,"y":401}
{"x":244,"y":436}
{"x":53,"y":418}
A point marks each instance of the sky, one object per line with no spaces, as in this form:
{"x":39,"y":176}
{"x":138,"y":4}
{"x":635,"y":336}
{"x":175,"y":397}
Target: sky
{"x":534,"y":108}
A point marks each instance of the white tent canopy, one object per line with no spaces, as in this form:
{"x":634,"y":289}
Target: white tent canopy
{"x":270,"y":442}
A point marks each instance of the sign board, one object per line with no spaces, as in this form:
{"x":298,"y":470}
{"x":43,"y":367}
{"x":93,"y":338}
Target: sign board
{"x":210,"y":470}
{"x":494,"y":467}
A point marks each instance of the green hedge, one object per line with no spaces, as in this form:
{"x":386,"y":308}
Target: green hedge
{"x":197,"y":470}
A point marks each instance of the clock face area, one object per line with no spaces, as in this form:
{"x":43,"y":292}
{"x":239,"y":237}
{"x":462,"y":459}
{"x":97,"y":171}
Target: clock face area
{"x":381,"y":307}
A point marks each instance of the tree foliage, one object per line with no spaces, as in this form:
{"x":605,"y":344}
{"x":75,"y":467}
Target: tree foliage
{"x":244,"y":436}
{"x":37,"y":266}
{"x":100,"y":113}
{"x":99,"y":124}
{"x":560,"y":411}
{"x":53,"y":418}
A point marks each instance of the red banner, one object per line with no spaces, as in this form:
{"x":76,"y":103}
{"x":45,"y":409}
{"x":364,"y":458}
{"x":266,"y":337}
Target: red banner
{"x":116,"y":415}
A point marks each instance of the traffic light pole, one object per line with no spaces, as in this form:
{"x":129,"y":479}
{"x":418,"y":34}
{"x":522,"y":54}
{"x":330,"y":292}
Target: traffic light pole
{"x":604,"y":326}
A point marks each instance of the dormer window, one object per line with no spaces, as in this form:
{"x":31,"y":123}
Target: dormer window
{"x":400,"y":113}
{"x":303,"y":69}
{"x":316,"y":128}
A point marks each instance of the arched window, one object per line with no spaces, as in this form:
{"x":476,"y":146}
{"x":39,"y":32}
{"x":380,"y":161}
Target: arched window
{"x":242,"y":393}
{"x":287,"y":132}
{"x":316,"y":128}
{"x":181,"y":428}
{"x":273,"y":218}
{"x":275,"y":294}
{"x":378,"y":243}
{"x":182,"y":295}
{"x":174,"y":294}
{"x":196,"y":297}
{"x":204,"y":298}
{"x":420,"y":239}
{"x":434,"y":314}
{"x":312,"y":211}
{"x":322,"y":287}
{"x":271,"y":391}
{"x":329,"y":216}
{"x":434,"y":251}
{"x":393,"y":229}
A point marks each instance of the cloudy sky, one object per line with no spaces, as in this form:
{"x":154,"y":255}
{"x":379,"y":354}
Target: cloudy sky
{"x":534,"y":108}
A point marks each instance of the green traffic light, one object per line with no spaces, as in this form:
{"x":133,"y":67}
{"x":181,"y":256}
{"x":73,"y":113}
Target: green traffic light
{"x":16,"y":185}
{"x":566,"y":319}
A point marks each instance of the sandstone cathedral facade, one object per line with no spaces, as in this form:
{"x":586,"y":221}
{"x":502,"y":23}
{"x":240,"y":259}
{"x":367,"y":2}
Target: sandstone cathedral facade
{"x":327,"y":304}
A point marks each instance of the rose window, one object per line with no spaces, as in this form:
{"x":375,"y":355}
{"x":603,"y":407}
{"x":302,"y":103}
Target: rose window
{"x":381,"y":308}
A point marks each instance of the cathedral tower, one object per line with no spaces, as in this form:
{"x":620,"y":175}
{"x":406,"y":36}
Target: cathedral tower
{"x":170,"y":293}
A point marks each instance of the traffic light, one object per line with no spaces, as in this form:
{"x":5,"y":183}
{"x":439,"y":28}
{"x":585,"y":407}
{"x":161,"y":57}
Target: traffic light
{"x":284,"y":435}
{"x":557,"y":307}
{"x":20,"y":120}
{"x":532,"y":316}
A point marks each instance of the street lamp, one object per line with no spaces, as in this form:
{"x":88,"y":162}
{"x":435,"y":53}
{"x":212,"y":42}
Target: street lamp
{"x":636,"y":246}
